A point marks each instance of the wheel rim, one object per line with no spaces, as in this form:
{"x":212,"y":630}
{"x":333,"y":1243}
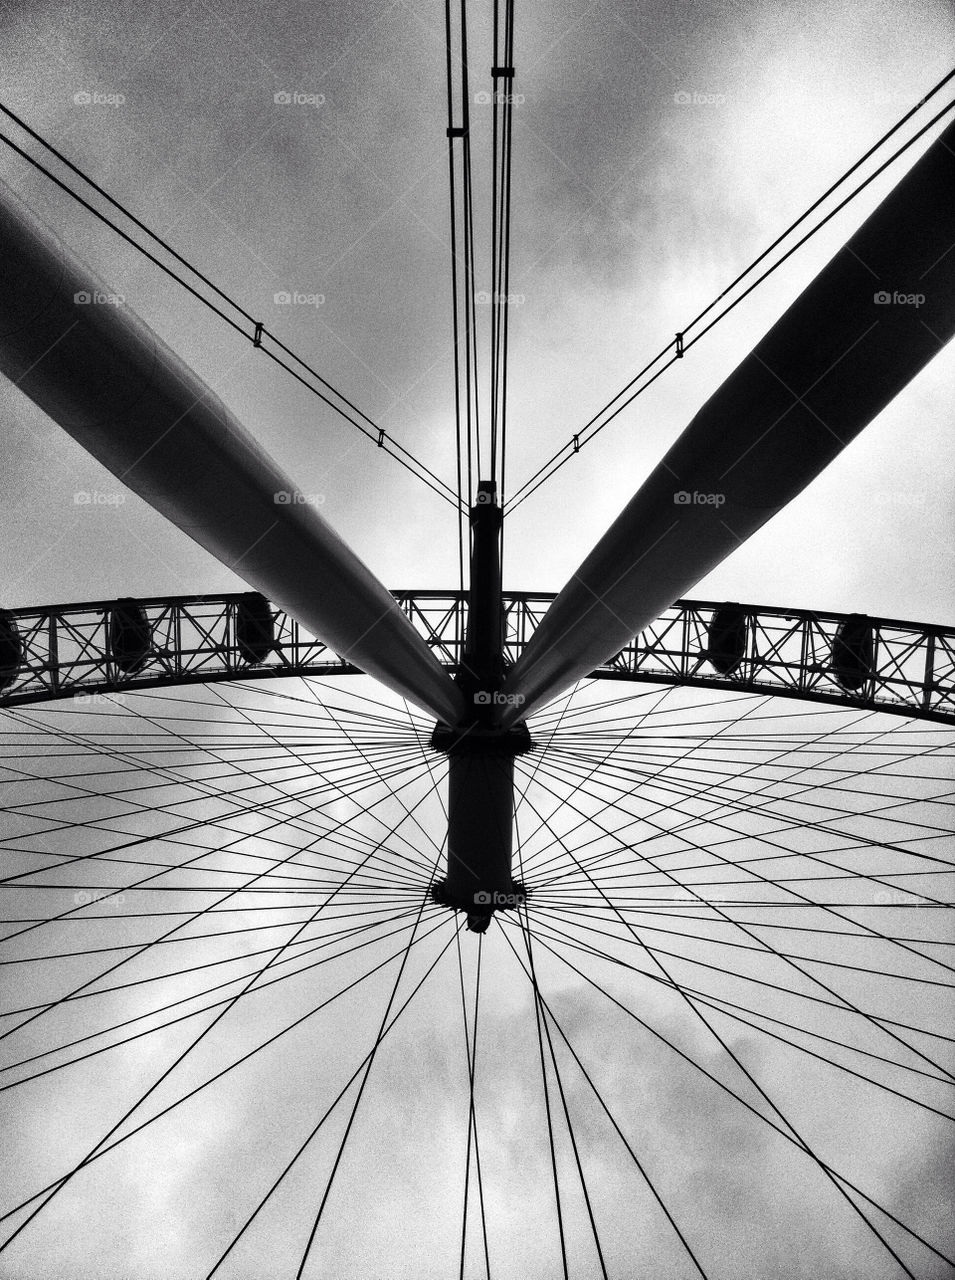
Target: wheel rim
{"x":721,"y":788}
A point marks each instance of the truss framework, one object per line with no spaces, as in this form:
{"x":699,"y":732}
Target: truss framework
{"x":65,"y":650}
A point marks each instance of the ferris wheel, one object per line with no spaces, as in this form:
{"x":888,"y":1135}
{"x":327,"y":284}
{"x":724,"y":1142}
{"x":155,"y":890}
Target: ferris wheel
{"x":604,"y":933}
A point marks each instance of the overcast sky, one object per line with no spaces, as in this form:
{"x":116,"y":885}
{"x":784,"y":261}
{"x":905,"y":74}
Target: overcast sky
{"x":631,"y":211}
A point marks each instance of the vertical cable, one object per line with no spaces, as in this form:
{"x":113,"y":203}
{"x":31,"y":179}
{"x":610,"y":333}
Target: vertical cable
{"x":454,"y":290}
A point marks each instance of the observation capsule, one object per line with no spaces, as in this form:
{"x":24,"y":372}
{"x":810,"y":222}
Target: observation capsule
{"x":129,"y":636}
{"x":727,"y":637}
{"x":254,"y":628}
{"x":853,"y":650}
{"x":11,"y":649}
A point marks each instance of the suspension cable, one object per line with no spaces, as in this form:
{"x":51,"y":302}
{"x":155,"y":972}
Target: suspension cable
{"x":453,"y":133}
{"x":259,"y":333}
{"x":677,"y":348}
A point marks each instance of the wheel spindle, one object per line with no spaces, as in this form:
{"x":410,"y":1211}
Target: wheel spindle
{"x":479,"y":879}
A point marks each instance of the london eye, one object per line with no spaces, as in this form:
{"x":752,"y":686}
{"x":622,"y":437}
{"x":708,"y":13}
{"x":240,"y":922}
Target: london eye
{"x":471,"y":928}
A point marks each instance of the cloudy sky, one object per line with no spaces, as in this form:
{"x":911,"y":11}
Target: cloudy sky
{"x":632,"y":210}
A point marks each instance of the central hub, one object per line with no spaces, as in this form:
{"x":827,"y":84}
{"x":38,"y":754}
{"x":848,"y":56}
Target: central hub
{"x":480,"y":820}
{"x":481,"y":753}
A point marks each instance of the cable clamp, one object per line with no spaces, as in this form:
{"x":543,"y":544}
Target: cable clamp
{"x":456,"y":131}
{"x":257,"y":336}
{"x":679,"y":346}
{"x":576,"y":444}
{"x":381,"y":437}
{"x":502,"y":73}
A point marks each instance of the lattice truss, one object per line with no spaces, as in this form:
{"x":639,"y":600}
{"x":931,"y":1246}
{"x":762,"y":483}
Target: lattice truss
{"x":87,"y":649}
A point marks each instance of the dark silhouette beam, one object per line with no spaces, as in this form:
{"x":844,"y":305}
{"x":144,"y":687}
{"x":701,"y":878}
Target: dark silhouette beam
{"x":131,"y":402}
{"x":868,"y":323}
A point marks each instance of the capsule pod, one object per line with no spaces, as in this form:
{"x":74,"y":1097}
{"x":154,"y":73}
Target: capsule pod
{"x":129,"y":636}
{"x":254,"y":627}
{"x":11,"y":649}
{"x":852,"y":651}
{"x":726,"y":638}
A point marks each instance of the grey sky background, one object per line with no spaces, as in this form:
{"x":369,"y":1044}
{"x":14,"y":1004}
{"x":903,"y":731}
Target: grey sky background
{"x":631,"y":212}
